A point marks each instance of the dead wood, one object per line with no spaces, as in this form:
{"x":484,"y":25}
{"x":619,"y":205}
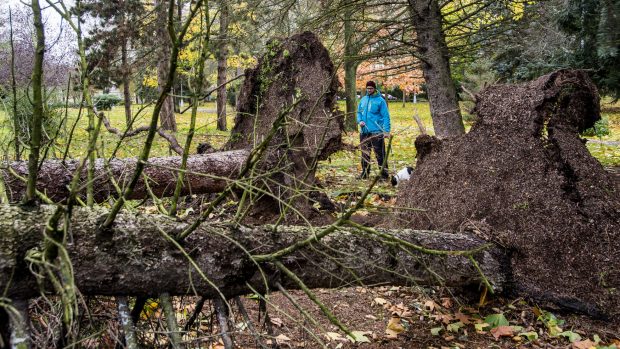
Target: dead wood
{"x":296,"y":68}
{"x":208,"y":173}
{"x":523,"y":178}
{"x":169,"y":137}
{"x":138,"y":257}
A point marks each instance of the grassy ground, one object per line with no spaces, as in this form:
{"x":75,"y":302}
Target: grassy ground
{"x":340,"y":170}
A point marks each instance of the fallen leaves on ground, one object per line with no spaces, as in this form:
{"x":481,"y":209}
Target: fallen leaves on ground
{"x":502,"y":331}
{"x":394,"y":328}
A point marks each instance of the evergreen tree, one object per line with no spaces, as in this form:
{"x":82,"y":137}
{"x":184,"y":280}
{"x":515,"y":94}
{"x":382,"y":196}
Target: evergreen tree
{"x":117,"y":29}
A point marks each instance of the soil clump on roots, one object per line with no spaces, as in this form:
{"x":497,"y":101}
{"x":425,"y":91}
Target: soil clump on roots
{"x":294,"y":69}
{"x":523,"y":178}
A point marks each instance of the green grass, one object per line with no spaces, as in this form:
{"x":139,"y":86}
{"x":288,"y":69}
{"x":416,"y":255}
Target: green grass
{"x":205,"y":132}
{"x":341,"y":170}
{"x":337,"y":172}
{"x":607,"y":148}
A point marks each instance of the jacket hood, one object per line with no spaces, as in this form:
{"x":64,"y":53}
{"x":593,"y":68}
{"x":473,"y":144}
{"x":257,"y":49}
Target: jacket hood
{"x":375,"y":94}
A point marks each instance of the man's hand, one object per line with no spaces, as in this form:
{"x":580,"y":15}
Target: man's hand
{"x":362,"y":124}
{"x":386,"y":135}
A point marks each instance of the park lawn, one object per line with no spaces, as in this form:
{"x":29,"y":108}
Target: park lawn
{"x":339,"y":171}
{"x":205,"y":132}
{"x":607,"y":148}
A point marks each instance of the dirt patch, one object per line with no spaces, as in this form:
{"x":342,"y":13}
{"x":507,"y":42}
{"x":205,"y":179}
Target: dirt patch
{"x":296,"y":68}
{"x":523,"y":178}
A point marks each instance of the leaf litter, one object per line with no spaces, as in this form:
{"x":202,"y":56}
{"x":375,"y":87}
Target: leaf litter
{"x":413,"y":317}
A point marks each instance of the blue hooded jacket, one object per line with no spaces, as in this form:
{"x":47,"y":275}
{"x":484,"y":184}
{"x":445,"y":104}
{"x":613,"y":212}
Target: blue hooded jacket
{"x":373,"y":111}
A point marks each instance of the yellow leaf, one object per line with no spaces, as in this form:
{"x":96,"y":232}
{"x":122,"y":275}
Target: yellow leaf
{"x":360,"y":336}
{"x":394,"y":327}
{"x":380,"y":301}
{"x":333,"y":336}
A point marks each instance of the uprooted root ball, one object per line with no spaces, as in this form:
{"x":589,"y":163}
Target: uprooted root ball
{"x":523,"y":178}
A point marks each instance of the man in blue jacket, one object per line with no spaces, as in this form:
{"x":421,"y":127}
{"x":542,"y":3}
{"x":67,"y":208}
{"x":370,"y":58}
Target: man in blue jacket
{"x":373,"y":118}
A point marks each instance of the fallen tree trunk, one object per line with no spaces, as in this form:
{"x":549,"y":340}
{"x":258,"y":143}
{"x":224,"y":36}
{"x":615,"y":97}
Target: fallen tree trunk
{"x":54,"y":176}
{"x":136,"y":258}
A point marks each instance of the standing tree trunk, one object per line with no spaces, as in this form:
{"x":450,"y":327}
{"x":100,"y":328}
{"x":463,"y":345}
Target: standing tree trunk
{"x":126,"y":93}
{"x":37,"y":101}
{"x":126,"y":71}
{"x":445,"y":110}
{"x":350,"y":70}
{"x":16,"y":124}
{"x":167,"y":120}
{"x":222,"y":55}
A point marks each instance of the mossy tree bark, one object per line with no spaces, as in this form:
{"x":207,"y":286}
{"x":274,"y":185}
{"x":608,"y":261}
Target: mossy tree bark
{"x":37,"y":101}
{"x":166,"y":115}
{"x":222,"y":56}
{"x":351,"y":62}
{"x":139,"y":256}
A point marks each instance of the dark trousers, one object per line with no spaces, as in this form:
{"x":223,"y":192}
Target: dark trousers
{"x":375,"y":142}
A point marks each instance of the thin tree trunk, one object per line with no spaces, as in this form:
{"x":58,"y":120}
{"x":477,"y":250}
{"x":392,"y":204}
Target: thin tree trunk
{"x":222,"y":56}
{"x":16,"y":125}
{"x":90,"y":108}
{"x":166,"y":116}
{"x":148,"y":143}
{"x":171,"y":321}
{"x":20,"y":325}
{"x":350,"y":71}
{"x":445,"y":111}
{"x":126,"y":324}
{"x":138,"y":256}
{"x":196,"y":93}
{"x":126,"y":78}
{"x":37,"y":100}
{"x":221,"y":311}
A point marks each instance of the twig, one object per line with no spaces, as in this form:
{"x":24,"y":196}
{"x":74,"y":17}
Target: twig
{"x":255,"y":155}
{"x":126,"y":323}
{"x":262,"y":307}
{"x":418,"y":121}
{"x":197,"y":310}
{"x":332,"y":318}
{"x":222,"y":317}
{"x":210,"y":92}
{"x":20,"y":336}
{"x":298,"y":306}
{"x":171,"y":321}
{"x":473,"y":97}
{"x":248,"y":321}
{"x":137,"y":309}
{"x":486,"y":282}
{"x":156,"y":110}
{"x":174,"y":144}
